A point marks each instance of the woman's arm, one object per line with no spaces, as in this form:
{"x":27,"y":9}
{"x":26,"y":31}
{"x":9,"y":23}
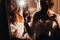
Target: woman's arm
{"x":29,"y":29}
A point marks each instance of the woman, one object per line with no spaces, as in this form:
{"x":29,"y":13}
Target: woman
{"x":16,"y":23}
{"x":45,"y":22}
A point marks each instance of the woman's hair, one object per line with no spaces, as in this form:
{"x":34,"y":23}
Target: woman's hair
{"x":12,"y":12}
{"x":49,"y":3}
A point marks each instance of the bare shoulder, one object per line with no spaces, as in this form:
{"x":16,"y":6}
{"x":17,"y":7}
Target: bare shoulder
{"x":51,"y":13}
{"x":57,"y":17}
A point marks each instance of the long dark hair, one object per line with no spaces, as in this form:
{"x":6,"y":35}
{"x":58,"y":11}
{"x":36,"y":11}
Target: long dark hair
{"x":50,"y":3}
{"x":46,"y":4}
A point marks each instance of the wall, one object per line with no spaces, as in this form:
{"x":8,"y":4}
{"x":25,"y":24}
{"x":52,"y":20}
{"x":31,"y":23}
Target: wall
{"x":59,"y":6}
{"x":55,"y":8}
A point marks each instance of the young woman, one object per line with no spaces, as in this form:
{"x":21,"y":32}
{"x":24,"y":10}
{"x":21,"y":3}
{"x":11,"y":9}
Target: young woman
{"x":16,"y":22}
{"x":45,"y":22}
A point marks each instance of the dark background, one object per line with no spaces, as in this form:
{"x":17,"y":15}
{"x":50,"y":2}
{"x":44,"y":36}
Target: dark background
{"x":4,"y":30}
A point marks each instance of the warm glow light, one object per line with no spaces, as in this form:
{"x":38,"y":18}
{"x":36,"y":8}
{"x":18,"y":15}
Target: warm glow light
{"x":22,"y":3}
